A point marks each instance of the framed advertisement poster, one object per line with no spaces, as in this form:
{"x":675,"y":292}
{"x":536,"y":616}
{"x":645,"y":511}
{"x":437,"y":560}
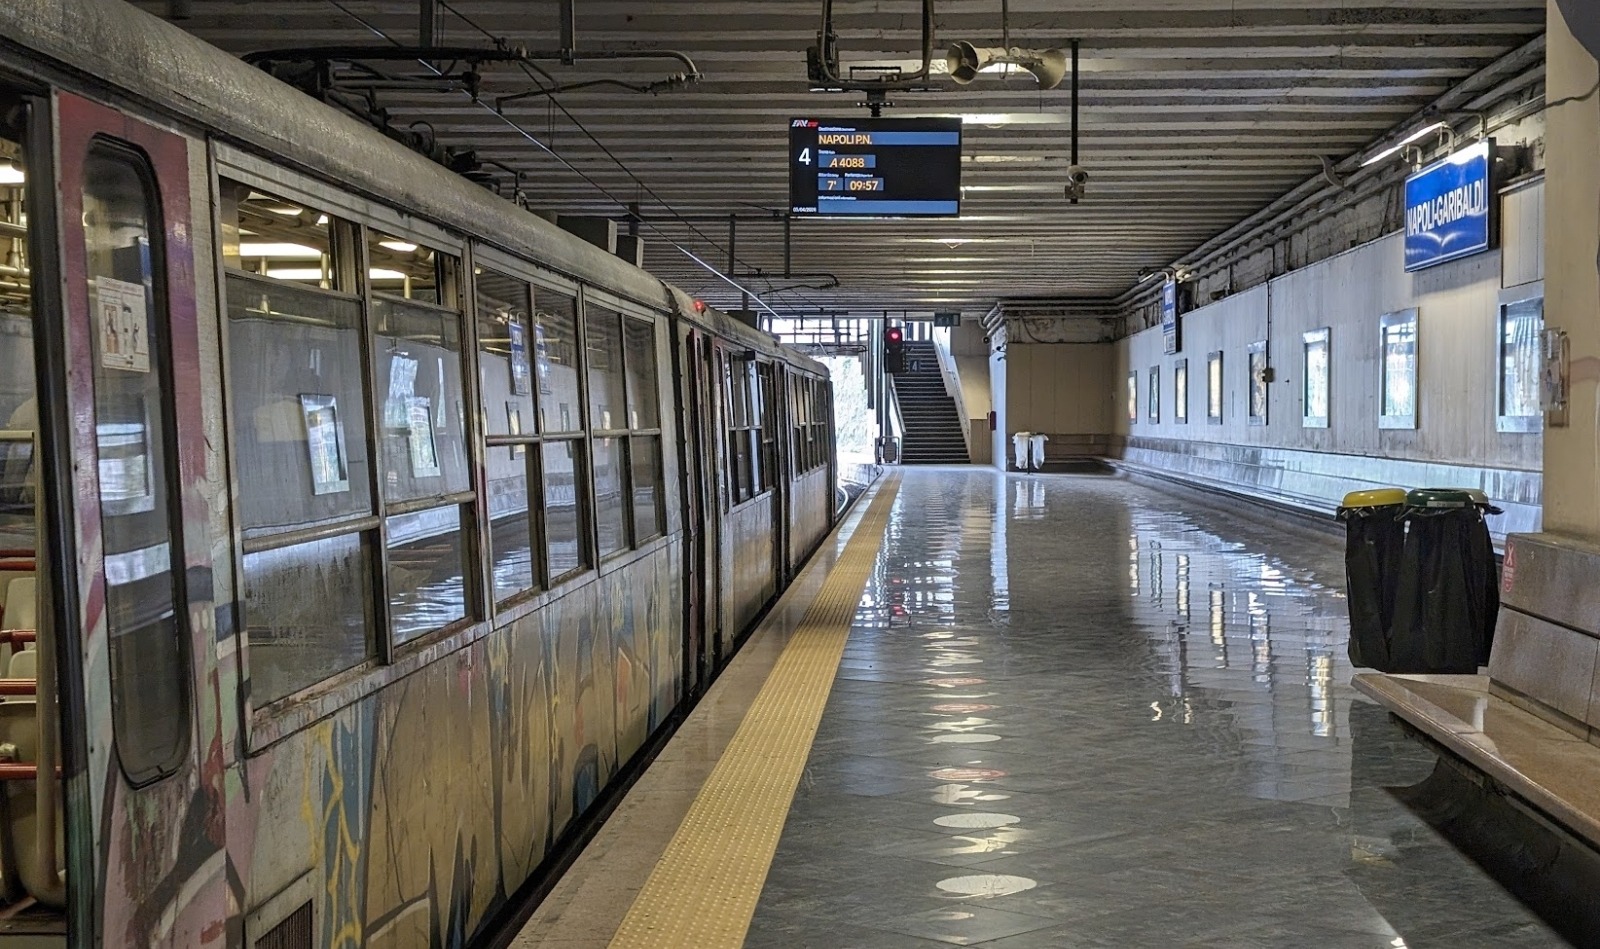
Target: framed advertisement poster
{"x":325,"y":444}
{"x":123,"y":320}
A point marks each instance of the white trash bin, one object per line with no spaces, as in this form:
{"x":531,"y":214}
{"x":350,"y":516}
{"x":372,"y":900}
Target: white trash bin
{"x":1036,"y":457}
{"x":1019,"y":442}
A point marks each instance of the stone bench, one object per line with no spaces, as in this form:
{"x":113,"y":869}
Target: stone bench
{"x":1532,"y":724}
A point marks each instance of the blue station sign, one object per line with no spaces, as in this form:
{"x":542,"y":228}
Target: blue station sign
{"x":1169,"y":316}
{"x":1448,"y":208}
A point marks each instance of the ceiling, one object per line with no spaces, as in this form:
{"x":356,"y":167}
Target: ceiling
{"x":1195,"y":113}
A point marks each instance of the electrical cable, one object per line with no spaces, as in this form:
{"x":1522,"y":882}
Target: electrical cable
{"x":1570,"y":99}
{"x":550,"y":95}
{"x":536,"y":142}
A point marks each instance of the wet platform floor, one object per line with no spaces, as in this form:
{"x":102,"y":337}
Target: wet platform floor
{"x":1082,"y":711}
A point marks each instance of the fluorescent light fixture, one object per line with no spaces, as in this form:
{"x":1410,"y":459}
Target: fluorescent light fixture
{"x":404,"y":247}
{"x":10,"y":174}
{"x":315,"y":273}
{"x":288,"y":251}
{"x":1414,"y":136}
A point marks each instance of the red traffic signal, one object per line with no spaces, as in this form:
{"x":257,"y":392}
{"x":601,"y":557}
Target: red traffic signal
{"x":894,"y":335}
{"x":894,"y":360}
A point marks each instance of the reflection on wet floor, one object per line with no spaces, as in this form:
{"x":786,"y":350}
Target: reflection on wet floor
{"x":1076,"y":711}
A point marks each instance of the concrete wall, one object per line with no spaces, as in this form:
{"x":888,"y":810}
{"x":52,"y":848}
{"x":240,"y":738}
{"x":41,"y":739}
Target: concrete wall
{"x":1059,"y":389}
{"x":1572,"y":290}
{"x":970,"y":351}
{"x":1456,"y":437}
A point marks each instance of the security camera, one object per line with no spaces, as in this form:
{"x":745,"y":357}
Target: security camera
{"x":1077,"y":179}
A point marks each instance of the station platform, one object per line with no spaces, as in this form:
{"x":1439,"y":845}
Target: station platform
{"x":1019,"y":711}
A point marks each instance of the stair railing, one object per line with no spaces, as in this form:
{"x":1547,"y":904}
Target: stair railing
{"x":951,"y":374}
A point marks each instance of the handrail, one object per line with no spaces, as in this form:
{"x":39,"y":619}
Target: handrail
{"x":48,"y":887}
{"x":950,"y":372}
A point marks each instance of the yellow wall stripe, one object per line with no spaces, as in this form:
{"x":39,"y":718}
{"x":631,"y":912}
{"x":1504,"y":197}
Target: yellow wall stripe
{"x":703,"y":892}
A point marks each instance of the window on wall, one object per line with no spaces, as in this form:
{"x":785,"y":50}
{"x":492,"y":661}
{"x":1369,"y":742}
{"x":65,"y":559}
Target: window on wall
{"x":146,"y":622}
{"x":1180,"y":391}
{"x":1214,"y":387}
{"x":1133,"y":397}
{"x":1153,"y":394}
{"x":1397,"y":360}
{"x":1520,"y":334}
{"x":1315,"y":352}
{"x":1257,"y":367}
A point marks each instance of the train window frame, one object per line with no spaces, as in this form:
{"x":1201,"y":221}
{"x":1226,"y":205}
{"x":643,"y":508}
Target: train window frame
{"x":749,"y":478}
{"x":1531,"y":351}
{"x":142,"y":167}
{"x":1215,"y":387}
{"x":450,"y":265}
{"x":628,"y":437}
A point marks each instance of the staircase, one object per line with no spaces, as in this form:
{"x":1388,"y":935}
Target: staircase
{"x":933,"y":434}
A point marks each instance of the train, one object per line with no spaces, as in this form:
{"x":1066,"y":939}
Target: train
{"x":361,"y":532}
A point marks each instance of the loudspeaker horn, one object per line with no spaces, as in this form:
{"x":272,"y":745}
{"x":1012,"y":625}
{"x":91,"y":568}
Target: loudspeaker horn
{"x":964,"y":60}
{"x":1050,"y":67}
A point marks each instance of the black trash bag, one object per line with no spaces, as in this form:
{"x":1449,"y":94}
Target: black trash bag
{"x":1447,"y":599}
{"x":1374,"y":546}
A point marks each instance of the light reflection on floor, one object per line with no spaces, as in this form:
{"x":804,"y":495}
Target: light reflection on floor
{"x":1077,"y":711}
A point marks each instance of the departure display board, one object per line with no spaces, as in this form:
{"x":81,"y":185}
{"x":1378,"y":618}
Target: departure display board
{"x":863,"y":167}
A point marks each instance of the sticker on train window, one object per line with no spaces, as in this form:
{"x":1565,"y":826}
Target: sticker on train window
{"x":519,"y":359}
{"x":424,"y":454}
{"x":325,"y":442}
{"x":124,"y":325}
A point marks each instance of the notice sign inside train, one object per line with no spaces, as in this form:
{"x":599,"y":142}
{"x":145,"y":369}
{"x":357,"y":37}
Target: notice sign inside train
{"x":863,"y":167}
{"x":1448,"y":208}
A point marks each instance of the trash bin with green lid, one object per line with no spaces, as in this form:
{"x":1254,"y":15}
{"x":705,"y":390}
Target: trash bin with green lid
{"x":1374,"y":542}
{"x":1448,"y":597}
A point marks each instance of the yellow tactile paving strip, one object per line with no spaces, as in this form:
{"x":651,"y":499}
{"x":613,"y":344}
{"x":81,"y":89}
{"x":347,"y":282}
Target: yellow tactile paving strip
{"x":703,"y":892}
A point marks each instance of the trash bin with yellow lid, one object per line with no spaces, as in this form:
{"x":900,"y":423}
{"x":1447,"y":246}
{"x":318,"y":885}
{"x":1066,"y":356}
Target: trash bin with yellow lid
{"x":1449,"y":590}
{"x":1374,"y":545}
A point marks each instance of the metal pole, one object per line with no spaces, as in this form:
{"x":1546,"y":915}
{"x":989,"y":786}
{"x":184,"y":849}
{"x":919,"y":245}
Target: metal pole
{"x":1074,"y":106}
{"x":428,"y":23}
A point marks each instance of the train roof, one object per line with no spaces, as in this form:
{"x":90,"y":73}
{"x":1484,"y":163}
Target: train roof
{"x":117,"y":45}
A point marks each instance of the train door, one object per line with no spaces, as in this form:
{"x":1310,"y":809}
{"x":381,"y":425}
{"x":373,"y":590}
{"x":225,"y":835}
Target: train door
{"x":698,"y":561}
{"x":142,"y":479}
{"x":35,"y":556}
{"x":769,"y":374}
{"x":705,"y":467}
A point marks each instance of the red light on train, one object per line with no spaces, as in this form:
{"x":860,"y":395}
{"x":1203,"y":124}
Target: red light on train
{"x":699,"y":306}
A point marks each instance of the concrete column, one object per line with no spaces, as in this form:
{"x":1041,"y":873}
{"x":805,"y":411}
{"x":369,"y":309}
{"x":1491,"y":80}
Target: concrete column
{"x":1572,"y":281}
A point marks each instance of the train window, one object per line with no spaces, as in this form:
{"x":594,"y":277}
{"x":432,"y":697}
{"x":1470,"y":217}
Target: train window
{"x":644,"y":420}
{"x":768,"y":434}
{"x":644,"y":453}
{"x":19,"y":407}
{"x":1256,"y":363}
{"x":644,"y":405}
{"x":281,"y":239}
{"x":401,"y":268}
{"x":1180,"y":391}
{"x":308,"y":613}
{"x":564,"y":506}
{"x":821,"y":413}
{"x":606,"y":382}
{"x":1133,"y":397}
{"x":427,"y":589}
{"x":298,"y":402}
{"x":1314,"y":349}
{"x":416,"y":354}
{"x":555,"y":349}
{"x":295,"y":391}
{"x":611,"y":515}
{"x":1153,"y":395}
{"x":417,"y":357}
{"x":145,"y":619}
{"x":744,"y":429}
{"x":1214,"y":387}
{"x":505,"y":380}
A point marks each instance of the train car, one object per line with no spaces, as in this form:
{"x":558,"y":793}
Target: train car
{"x":359,"y":530}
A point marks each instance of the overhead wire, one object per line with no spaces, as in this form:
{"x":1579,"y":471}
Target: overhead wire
{"x":529,"y":68}
{"x":536,"y":142}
